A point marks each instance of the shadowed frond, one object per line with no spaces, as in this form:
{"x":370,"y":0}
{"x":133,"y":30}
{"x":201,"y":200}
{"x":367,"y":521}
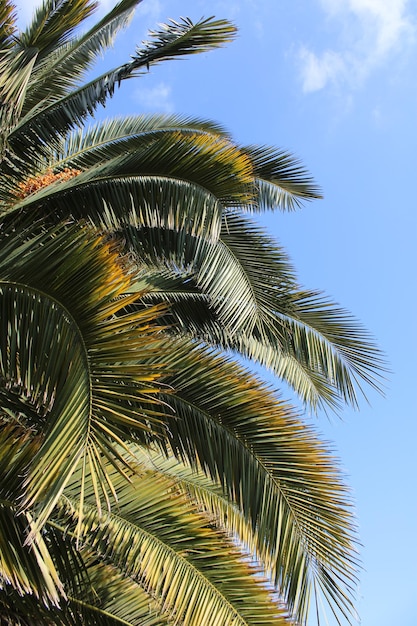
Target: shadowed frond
{"x":71,"y":369}
{"x":26,"y":570}
{"x":45,"y":366}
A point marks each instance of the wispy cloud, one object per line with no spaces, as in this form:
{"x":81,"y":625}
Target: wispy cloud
{"x":157,"y":99}
{"x":369,"y":31}
{"x":318,"y":71}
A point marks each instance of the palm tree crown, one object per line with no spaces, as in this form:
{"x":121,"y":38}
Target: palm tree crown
{"x":147,"y":477}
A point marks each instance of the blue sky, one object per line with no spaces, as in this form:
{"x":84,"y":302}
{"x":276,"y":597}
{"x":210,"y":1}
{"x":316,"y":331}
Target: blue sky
{"x":333,"y":81}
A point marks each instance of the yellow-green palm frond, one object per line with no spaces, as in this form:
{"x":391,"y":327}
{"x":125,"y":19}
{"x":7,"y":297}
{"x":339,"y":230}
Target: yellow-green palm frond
{"x":8,"y":26}
{"x":156,"y":538}
{"x":283,"y":480}
{"x":26,"y":570}
{"x":282,"y":181}
{"x":53,"y":23}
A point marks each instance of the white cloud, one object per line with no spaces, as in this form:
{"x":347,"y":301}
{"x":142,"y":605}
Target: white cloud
{"x":317,"y":71}
{"x":369,"y":31}
{"x":157,"y":99}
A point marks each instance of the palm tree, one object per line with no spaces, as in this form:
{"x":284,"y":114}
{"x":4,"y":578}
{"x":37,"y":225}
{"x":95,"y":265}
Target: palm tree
{"x":147,"y":477}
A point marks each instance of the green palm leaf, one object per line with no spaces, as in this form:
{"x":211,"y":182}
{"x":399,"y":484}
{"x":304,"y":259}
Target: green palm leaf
{"x":73,"y":371}
{"x":246,"y":298}
{"x":54,"y":21}
{"x":7,"y":24}
{"x":289,"y":489}
{"x":51,"y":122}
{"x":282,"y":181}
{"x":60,"y":69}
{"x":193,"y":571}
{"x":44,"y":365}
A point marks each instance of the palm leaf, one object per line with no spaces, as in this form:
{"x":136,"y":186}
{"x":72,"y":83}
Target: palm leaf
{"x":15,"y":71}
{"x":117,"y":598}
{"x":64,"y":66}
{"x":44,"y":364}
{"x":194,"y":573}
{"x":7,"y":25}
{"x":282,"y":181}
{"x":26,"y":570}
{"x":128,"y":204}
{"x":258,"y":310}
{"x":184,"y":37}
{"x":53,"y":23}
{"x":73,"y":371}
{"x":53,"y":121}
{"x":286,"y":485}
{"x":122,"y":130}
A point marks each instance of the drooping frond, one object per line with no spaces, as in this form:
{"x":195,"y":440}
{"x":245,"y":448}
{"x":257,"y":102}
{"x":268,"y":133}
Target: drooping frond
{"x":116,"y":599}
{"x":274,"y":469}
{"x":45,"y":366}
{"x":283,"y":183}
{"x":241,"y":294}
{"x":73,"y":372}
{"x":26,"y":570}
{"x":157,"y":539}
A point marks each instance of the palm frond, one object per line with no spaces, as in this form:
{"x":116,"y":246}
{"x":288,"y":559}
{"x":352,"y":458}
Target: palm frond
{"x":53,"y":23}
{"x":194,"y":572}
{"x":241,"y":295}
{"x":64,"y":66}
{"x":8,"y":25}
{"x":15,"y":71}
{"x":131,"y":205}
{"x":74,"y":372}
{"x":44,"y":365}
{"x":273,"y":468}
{"x":282,"y":181}
{"x":27,"y":570}
{"x":184,"y":37}
{"x":48,"y":124}
{"x":110,"y":139}
{"x":117,"y":599}
{"x":126,"y":128}
{"x":211,"y":499}
{"x":191,"y":313}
